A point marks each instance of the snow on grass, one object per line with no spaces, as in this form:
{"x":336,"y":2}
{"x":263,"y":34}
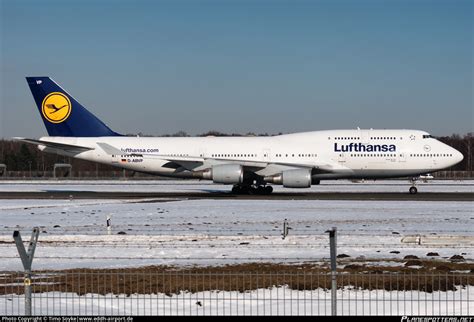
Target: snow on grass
{"x":274,"y":301}
{"x":207,"y":232}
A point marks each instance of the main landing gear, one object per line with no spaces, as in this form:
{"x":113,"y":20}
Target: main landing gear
{"x":252,"y":190}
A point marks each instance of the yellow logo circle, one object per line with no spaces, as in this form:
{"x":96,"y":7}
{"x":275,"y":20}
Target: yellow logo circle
{"x":56,"y":107}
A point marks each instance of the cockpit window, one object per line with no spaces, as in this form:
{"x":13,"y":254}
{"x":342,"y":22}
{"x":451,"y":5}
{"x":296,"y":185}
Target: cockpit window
{"x":428,"y":136}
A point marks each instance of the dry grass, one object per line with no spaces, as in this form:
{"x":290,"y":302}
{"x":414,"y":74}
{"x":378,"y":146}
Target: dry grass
{"x":432,"y":276}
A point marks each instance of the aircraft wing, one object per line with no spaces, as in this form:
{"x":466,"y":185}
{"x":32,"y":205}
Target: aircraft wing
{"x":182,"y":163}
{"x":111,"y":150}
{"x":266,"y":168}
{"x":200,"y":163}
{"x":56,"y":145}
{"x":321,"y":167}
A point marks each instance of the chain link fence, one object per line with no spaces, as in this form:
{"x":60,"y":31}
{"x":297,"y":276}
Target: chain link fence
{"x":169,"y":291}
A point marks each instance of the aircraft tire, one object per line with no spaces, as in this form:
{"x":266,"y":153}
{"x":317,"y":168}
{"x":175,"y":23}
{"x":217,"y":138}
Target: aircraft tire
{"x":236,"y":189}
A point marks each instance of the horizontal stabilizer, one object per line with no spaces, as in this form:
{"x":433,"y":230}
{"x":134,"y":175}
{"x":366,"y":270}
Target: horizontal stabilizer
{"x":55,"y":145}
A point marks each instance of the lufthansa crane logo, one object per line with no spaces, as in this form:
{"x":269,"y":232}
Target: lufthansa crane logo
{"x":56,"y":107}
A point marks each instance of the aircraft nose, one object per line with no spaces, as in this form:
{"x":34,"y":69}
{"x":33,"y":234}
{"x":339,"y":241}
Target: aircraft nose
{"x":457,"y":156}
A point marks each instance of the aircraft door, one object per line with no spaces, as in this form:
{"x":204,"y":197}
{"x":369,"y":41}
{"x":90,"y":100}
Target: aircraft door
{"x":435,"y":163}
{"x":341,"y":158}
{"x":402,"y":157}
{"x":364,"y":136}
{"x":266,"y":155}
{"x":115,"y":158}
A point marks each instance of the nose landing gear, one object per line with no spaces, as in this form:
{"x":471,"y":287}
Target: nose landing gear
{"x":413,"y":190}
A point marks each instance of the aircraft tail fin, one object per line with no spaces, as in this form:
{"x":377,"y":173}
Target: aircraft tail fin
{"x":62,"y":114}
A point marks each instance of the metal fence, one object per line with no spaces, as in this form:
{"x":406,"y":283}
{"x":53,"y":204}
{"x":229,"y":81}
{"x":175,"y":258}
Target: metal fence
{"x":168,"y":291}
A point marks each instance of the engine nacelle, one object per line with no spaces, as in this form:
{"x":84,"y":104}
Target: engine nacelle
{"x":298,"y":178}
{"x":225,"y":173}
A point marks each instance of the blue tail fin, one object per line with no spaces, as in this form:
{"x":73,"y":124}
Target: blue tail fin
{"x":62,"y":114}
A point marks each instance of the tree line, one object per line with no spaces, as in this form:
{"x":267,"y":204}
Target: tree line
{"x":19,"y":156}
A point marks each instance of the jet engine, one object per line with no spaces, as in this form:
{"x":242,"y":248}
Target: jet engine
{"x":298,"y":178}
{"x":225,"y":173}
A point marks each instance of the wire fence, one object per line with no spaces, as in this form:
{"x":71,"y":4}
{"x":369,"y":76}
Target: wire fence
{"x":226,"y":291}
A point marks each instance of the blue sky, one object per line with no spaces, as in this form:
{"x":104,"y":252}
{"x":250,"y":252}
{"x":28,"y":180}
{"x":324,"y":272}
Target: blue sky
{"x":237,"y":66}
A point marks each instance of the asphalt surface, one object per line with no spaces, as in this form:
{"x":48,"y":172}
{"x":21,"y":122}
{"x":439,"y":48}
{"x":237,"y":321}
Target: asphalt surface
{"x":64,"y":194}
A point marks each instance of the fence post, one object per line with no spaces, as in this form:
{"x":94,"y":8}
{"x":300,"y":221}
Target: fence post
{"x":284,"y":234}
{"x":109,"y":225}
{"x":27,"y":260}
{"x":333,"y":253}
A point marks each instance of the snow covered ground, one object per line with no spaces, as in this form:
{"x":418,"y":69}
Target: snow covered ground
{"x":197,"y":186}
{"x":274,"y":301}
{"x":219,"y":232}
{"x":210,"y":232}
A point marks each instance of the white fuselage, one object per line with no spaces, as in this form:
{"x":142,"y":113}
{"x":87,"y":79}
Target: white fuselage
{"x":337,"y":153}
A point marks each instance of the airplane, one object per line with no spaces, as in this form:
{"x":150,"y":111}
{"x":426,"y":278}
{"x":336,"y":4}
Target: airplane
{"x":251,"y":164}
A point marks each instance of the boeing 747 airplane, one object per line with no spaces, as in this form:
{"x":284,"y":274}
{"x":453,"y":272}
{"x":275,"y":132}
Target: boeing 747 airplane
{"x":250,"y":164}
